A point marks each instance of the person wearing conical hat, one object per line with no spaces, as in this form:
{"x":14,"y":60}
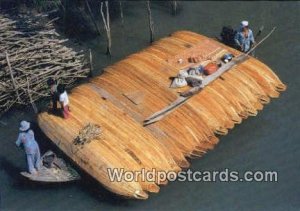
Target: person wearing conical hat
{"x":31,"y":147}
{"x":244,"y":37}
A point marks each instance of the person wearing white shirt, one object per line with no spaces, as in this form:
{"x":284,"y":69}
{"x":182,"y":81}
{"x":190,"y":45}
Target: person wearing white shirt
{"x":64,"y":101}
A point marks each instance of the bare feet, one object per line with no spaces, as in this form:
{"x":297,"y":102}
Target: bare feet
{"x":34,"y":172}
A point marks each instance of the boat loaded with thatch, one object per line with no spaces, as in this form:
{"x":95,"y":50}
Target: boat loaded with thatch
{"x":114,"y":107}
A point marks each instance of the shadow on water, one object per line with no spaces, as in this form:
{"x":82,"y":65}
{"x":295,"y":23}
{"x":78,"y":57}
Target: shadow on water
{"x":91,"y":187}
{"x":10,"y":168}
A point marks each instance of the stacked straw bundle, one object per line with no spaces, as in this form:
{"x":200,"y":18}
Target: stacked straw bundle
{"x":136,"y":87}
{"x":31,"y":52}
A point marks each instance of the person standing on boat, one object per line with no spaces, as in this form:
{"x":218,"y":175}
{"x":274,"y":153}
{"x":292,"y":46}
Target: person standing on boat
{"x":31,"y":147}
{"x":53,"y":93}
{"x":244,"y":37}
{"x":64,"y":101}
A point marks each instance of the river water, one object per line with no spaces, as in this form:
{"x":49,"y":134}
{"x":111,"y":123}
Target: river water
{"x":270,"y":141}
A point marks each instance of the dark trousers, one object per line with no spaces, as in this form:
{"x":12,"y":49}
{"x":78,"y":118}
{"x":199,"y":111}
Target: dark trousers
{"x":54,"y":98}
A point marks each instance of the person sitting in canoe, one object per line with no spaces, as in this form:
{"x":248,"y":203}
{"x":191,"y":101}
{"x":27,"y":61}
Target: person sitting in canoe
{"x":31,"y":147}
{"x":244,"y":37}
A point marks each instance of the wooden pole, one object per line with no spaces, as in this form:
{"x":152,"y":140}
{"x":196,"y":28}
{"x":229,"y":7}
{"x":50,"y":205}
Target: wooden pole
{"x":12,"y":77}
{"x":121,"y":12}
{"x":30,"y":97}
{"x":174,"y":7}
{"x":106,"y":22}
{"x":92,"y":17}
{"x":91,"y":63}
{"x":151,"y":24}
{"x":65,"y":15}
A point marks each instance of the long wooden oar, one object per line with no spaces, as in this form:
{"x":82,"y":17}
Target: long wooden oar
{"x":187,"y":95}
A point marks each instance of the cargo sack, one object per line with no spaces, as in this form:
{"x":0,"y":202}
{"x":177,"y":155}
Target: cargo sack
{"x":48,"y":160}
{"x":193,"y":59}
{"x":210,"y":68}
{"x":193,"y":81}
{"x":195,"y":71}
{"x":183,"y":74}
{"x":178,"y":82}
{"x":227,"y":57}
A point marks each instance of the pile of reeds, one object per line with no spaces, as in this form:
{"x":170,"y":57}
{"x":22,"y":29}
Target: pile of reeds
{"x":88,"y":133}
{"x":31,"y":52}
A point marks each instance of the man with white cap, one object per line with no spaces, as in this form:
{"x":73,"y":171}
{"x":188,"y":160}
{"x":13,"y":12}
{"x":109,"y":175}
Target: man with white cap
{"x":244,"y":38}
{"x":32,"y":150}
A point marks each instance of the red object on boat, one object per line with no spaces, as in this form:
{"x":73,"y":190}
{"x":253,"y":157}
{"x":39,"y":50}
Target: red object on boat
{"x":210,"y":68}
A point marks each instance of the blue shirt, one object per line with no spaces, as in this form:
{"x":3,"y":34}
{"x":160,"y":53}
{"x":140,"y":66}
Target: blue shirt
{"x":243,"y":41}
{"x":28,"y":141}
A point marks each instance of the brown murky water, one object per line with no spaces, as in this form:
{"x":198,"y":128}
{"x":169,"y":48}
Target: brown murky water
{"x":270,"y":141}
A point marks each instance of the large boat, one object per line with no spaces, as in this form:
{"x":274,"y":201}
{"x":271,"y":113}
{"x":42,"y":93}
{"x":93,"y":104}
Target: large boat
{"x":135,"y":88}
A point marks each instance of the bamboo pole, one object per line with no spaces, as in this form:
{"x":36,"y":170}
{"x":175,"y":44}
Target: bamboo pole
{"x":12,"y":76}
{"x":92,"y":17}
{"x":30,"y":97}
{"x":106,"y":22}
{"x":151,"y":23}
{"x":121,"y":12}
{"x":91,"y":63}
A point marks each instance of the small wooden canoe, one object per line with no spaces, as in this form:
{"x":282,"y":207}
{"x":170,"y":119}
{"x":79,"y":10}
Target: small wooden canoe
{"x":58,"y":172}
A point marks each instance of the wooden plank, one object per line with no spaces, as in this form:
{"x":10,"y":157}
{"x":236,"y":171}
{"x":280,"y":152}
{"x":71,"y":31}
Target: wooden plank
{"x":135,"y":97}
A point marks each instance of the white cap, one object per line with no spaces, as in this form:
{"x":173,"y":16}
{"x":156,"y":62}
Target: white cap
{"x":24,"y":125}
{"x":244,"y":23}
